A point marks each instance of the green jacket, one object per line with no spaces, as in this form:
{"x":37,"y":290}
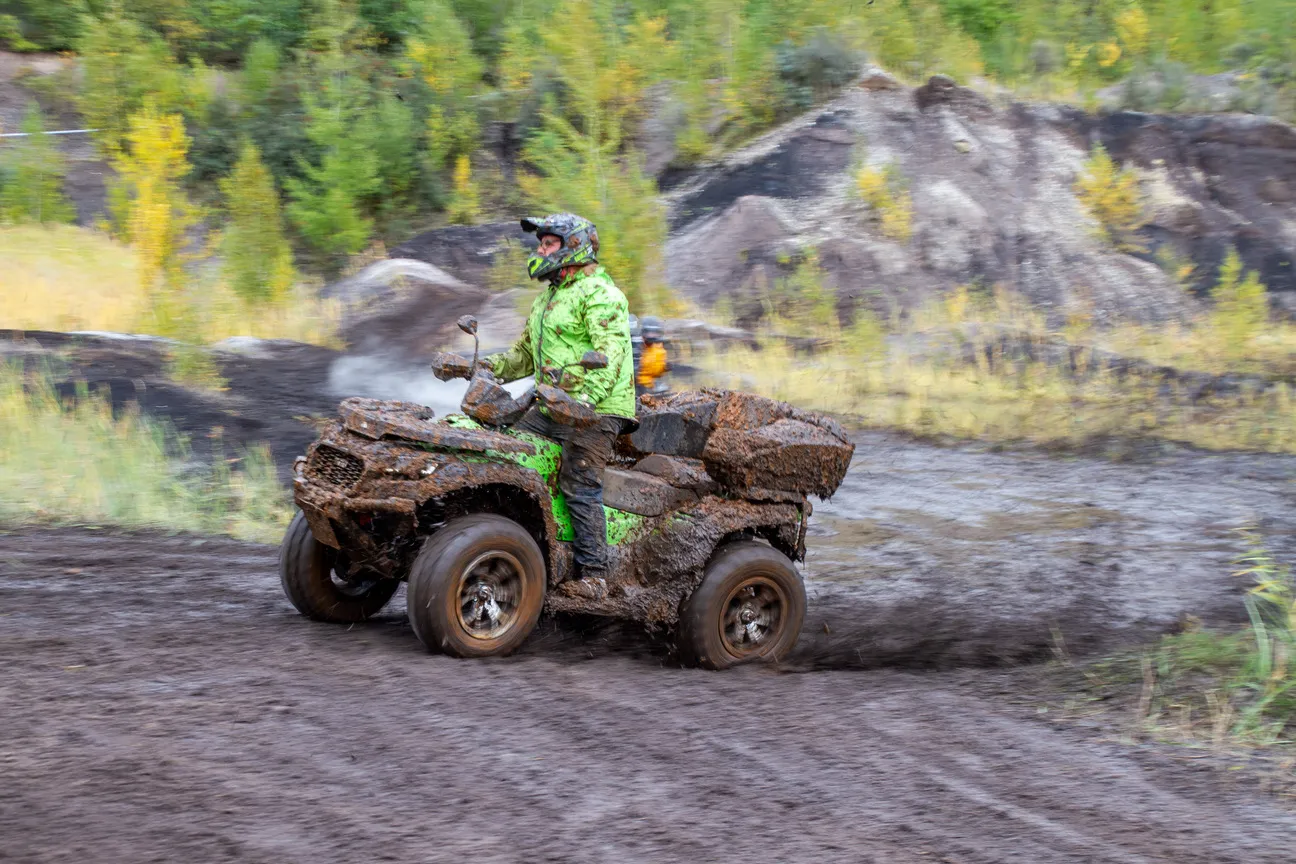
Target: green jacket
{"x":585,"y":311}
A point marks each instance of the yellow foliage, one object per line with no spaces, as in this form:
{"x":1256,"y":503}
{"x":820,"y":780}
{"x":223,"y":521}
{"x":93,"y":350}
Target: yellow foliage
{"x":1241,"y":307}
{"x":956,"y":303}
{"x":151,"y":169}
{"x":463,"y":207}
{"x":1077,"y":54}
{"x":1108,"y":54}
{"x":897,"y":220}
{"x":61,"y":277}
{"x":882,"y":191}
{"x":872,"y":184}
{"x":1133,"y":30}
{"x":998,"y":397}
{"x":1112,"y":196}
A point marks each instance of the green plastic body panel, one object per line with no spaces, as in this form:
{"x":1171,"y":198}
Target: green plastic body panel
{"x":620,"y":524}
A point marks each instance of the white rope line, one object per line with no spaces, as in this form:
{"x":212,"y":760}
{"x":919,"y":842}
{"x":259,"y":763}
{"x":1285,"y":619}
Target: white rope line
{"x":55,"y":132}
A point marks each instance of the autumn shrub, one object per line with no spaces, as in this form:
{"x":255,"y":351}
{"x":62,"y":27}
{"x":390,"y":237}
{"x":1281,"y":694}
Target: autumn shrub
{"x":1111,"y":196}
{"x":885,"y":192}
{"x":464,"y":208}
{"x":1241,"y":307}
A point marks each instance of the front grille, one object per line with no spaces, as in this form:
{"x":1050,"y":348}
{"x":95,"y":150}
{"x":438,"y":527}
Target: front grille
{"x":334,"y":466}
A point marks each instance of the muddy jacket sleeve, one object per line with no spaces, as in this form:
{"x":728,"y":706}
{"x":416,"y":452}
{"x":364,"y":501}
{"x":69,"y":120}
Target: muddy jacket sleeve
{"x":607,"y":321}
{"x":517,"y":362}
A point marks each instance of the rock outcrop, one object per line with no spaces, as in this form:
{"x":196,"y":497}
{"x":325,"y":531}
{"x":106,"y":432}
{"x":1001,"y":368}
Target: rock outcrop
{"x":992,"y":189}
{"x":993,"y":202}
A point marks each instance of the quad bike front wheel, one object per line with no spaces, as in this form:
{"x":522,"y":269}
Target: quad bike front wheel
{"x":477,"y":588}
{"x":748,"y":608}
{"x":313,"y":578}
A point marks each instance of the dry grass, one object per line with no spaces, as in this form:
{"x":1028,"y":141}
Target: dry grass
{"x":65,"y":278}
{"x":78,"y":463}
{"x":1030,"y":402}
{"x":1205,"y":349}
{"x":68,"y":278}
{"x":920,"y":380}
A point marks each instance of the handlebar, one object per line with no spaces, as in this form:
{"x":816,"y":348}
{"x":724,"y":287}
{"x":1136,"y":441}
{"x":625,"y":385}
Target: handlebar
{"x":488,"y":402}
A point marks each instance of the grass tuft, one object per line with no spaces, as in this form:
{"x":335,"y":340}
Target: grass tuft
{"x":1223,"y":689}
{"x":76,"y":462}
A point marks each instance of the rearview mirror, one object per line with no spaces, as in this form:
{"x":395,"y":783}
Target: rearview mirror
{"x":468,"y":324}
{"x":594,"y":360}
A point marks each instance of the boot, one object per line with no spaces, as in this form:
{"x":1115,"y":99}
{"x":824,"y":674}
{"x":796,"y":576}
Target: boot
{"x":592,"y":585}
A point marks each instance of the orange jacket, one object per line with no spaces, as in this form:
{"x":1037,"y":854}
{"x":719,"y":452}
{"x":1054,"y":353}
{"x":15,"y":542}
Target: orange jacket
{"x":652,"y":365}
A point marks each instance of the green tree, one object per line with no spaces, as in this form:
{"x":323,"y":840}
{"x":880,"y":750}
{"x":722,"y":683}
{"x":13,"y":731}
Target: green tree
{"x":175,"y":20}
{"x":442,"y":54}
{"x":391,"y":20}
{"x":258,"y":260}
{"x":579,"y":174}
{"x":229,"y":27}
{"x":270,"y":110}
{"x":123,"y":66}
{"x":327,"y":202}
{"x":46,"y":25}
{"x":260,"y":71}
{"x":34,"y":188}
{"x":394,"y":132}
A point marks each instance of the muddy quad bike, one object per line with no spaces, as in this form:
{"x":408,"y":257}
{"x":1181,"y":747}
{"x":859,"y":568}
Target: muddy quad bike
{"x":705,"y":501}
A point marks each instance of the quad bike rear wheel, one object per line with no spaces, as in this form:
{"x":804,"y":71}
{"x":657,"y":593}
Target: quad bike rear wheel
{"x":749,"y":608}
{"x":313,"y":577}
{"x":477,"y":588}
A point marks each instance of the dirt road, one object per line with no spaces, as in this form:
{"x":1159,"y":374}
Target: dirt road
{"x":160,"y":701}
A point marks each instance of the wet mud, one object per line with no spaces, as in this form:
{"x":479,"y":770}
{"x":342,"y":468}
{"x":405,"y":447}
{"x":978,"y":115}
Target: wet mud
{"x":162,"y":701}
{"x":938,"y":557}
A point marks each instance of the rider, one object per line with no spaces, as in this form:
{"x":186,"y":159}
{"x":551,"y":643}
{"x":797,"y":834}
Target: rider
{"x":652,"y":362}
{"x":582,"y":310}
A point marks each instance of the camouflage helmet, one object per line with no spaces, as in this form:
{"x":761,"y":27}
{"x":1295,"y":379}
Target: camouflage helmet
{"x":579,"y":238}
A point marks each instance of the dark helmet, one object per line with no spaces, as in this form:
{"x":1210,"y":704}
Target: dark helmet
{"x":579,"y":238}
{"x":652,"y":327}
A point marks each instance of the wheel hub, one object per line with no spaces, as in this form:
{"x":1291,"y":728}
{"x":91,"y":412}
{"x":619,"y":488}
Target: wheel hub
{"x":753,"y":617}
{"x":351,"y":586}
{"x":489,"y":592}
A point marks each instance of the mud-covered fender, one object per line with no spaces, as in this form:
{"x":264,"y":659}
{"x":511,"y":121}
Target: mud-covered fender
{"x":447,"y":477}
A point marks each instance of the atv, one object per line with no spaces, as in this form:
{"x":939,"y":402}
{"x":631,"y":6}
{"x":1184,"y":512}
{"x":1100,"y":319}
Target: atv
{"x":706,"y":504}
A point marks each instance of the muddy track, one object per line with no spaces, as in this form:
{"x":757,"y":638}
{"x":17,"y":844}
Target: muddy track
{"x":162,"y":702}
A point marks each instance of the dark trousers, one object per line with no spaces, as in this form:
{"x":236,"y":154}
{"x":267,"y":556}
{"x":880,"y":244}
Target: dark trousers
{"x":585,"y":453}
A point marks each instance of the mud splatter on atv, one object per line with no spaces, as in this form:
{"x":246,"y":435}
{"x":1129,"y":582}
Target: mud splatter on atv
{"x":705,"y":469}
